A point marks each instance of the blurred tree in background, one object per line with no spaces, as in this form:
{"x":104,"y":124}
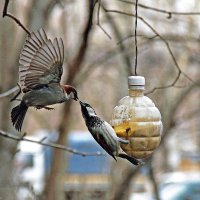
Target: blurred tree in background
{"x":99,"y":56}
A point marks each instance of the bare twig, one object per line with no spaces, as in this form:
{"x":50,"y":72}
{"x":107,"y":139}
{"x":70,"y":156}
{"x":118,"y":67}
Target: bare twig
{"x":166,"y":86}
{"x":5,"y":7}
{"x":5,"y":13}
{"x":98,"y":21}
{"x":138,"y":35}
{"x":18,"y":93}
{"x":9,"y":92}
{"x":169,"y":37}
{"x":166,"y":44}
{"x":169,"y":13}
{"x":48,"y":144}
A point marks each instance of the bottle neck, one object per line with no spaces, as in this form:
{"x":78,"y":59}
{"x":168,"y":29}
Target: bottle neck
{"x":136,"y":91}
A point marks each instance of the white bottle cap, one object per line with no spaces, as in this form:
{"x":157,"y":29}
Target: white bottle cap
{"x":136,"y":81}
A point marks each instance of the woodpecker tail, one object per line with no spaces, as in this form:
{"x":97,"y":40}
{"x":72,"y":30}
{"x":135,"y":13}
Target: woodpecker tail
{"x":17,"y":115}
{"x":134,"y":161}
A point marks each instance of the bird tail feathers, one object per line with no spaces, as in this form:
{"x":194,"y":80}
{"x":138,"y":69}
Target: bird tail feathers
{"x":17,"y":115}
{"x":134,"y":161}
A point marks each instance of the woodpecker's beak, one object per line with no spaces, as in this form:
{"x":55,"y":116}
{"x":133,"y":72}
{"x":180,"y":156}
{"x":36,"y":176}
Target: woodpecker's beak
{"x":76,"y":98}
{"x":81,"y":103}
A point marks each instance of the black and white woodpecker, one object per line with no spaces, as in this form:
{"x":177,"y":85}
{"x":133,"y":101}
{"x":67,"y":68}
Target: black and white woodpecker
{"x":40,"y":71}
{"x":104,"y":134}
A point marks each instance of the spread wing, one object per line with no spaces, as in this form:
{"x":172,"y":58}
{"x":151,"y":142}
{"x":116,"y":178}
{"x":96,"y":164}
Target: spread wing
{"x":40,"y":61}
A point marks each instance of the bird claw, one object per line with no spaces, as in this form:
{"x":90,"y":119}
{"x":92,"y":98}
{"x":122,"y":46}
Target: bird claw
{"x":48,"y":108}
{"x":45,"y":107}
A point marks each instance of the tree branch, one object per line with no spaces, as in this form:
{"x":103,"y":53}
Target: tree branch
{"x":98,"y":21}
{"x":5,"y":13}
{"x":48,"y":144}
{"x":9,"y":92}
{"x":169,"y":13}
{"x":166,"y":44}
{"x":76,"y":64}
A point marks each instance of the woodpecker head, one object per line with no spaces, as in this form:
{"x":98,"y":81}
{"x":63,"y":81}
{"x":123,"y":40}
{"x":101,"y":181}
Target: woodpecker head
{"x":87,"y":110}
{"x":70,"y":92}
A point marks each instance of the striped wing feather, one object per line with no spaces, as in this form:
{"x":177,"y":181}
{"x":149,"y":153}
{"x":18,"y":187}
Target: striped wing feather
{"x":40,"y":61}
{"x":104,"y":138}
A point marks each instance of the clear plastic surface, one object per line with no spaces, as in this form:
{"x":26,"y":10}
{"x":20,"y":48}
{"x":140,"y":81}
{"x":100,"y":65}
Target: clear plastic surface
{"x":136,"y":119}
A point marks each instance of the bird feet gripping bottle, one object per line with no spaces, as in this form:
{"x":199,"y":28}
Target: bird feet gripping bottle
{"x":136,"y":119}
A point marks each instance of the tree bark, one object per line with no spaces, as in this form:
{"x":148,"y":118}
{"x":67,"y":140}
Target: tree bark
{"x":54,"y":187}
{"x":7,"y":80}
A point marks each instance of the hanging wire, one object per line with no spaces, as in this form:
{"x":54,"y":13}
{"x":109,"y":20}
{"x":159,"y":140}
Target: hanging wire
{"x":136,"y":48}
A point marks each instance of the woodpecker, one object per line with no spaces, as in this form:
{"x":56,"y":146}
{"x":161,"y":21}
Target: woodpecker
{"x":40,"y":71}
{"x":104,"y":134}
